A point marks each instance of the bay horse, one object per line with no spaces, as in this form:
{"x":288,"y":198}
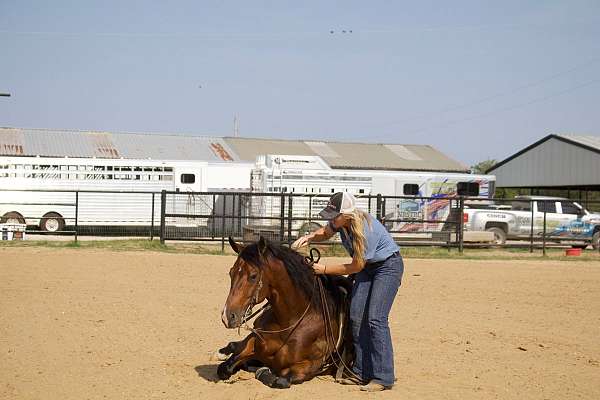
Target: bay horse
{"x":297,"y":336}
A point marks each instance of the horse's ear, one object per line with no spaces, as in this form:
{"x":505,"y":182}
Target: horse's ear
{"x":235,"y":246}
{"x":262,"y":246}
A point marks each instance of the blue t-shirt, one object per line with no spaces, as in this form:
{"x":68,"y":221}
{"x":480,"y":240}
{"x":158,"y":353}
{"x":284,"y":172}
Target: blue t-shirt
{"x":379,"y":243}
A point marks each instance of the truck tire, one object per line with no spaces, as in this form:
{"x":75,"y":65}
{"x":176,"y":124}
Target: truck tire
{"x":579,"y":246}
{"x":596,"y":240}
{"x":52,"y":222}
{"x":499,"y":235}
{"x":12,"y":217}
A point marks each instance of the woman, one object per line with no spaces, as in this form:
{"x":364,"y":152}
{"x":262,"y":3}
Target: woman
{"x":378,"y":266}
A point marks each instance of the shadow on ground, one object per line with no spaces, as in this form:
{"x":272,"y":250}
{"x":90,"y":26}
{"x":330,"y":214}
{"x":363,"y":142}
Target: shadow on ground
{"x":207,"y":372}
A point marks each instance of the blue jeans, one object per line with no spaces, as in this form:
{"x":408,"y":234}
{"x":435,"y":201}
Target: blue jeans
{"x":373,"y":294}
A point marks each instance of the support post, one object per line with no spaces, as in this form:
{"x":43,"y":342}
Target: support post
{"x":461,"y":224}
{"x":213,"y":213}
{"x":290,"y":217}
{"x":544,"y":232}
{"x":378,"y":212}
{"x":239,"y":215}
{"x":76,"y":215}
{"x":531,"y":228}
{"x":281,"y":217}
{"x":310,"y":199}
{"x":152,"y":220}
{"x":223,"y":223}
{"x":163,"y":206}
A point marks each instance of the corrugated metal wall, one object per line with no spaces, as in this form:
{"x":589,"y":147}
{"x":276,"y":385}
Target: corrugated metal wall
{"x":552,"y":163}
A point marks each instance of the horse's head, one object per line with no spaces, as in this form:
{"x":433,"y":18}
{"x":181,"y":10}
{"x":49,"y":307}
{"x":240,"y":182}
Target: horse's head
{"x":247,"y":283}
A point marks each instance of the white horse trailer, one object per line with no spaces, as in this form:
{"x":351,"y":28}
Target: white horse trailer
{"x":308,"y":176}
{"x":43,"y":191}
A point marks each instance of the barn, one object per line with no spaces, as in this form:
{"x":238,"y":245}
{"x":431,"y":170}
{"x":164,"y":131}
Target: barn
{"x":160,"y":146}
{"x":556,"y":165}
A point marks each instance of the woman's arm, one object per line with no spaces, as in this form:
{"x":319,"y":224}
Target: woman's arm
{"x":339,"y":269}
{"x":320,"y":235}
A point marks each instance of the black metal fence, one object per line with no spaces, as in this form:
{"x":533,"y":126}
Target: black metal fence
{"x":214,"y":216}
{"x":451,"y":222}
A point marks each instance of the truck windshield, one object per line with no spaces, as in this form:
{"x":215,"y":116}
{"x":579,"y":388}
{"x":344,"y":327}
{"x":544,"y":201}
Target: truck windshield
{"x":521,"y":205}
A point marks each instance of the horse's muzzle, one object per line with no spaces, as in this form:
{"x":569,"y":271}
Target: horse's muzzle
{"x":231,"y":319}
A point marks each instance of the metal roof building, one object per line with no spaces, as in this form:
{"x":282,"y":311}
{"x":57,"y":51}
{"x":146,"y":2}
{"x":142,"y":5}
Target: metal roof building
{"x":69,"y":143}
{"x":560,"y":162}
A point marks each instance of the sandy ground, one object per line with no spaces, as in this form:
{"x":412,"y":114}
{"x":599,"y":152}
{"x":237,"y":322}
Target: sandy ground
{"x":79,"y":324}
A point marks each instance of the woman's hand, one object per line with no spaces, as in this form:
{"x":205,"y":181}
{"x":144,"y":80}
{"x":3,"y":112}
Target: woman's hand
{"x":319,"y":269}
{"x":302,"y":241}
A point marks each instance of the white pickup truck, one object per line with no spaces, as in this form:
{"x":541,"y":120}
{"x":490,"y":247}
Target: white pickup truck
{"x":566,"y":220}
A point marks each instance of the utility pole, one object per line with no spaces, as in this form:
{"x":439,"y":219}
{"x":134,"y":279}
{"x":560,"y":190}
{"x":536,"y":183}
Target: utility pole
{"x":236,"y":126}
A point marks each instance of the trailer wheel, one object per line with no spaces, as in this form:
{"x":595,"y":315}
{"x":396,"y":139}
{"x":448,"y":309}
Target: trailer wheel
{"x":12,"y":217}
{"x":52,"y":222}
{"x":499,"y":235}
{"x":596,"y":240}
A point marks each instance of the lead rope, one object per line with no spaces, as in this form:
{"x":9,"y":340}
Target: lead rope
{"x":329,"y":335}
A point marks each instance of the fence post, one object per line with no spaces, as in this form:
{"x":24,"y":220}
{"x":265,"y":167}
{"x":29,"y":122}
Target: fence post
{"x":213,"y":222}
{"x":310,"y":199}
{"x":461,"y":225}
{"x":378,"y":211}
{"x":152,"y":220}
{"x":544,"y":233}
{"x":531,"y":231}
{"x":239,"y":216}
{"x":163,"y":206}
{"x":290,"y":217}
{"x":223,"y":223}
{"x":281,"y":216}
{"x":76,"y":215}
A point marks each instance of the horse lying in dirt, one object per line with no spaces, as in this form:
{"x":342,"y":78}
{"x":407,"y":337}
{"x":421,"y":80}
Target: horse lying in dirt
{"x":301,"y":332}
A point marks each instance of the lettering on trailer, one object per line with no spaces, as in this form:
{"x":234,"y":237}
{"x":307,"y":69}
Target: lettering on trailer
{"x":220,"y":151}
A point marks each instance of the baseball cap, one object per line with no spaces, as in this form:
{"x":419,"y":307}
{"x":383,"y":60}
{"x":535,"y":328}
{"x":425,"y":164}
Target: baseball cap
{"x":339,"y":203}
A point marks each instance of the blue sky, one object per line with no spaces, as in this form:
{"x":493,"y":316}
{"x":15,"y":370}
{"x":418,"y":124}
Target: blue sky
{"x":475,"y":79}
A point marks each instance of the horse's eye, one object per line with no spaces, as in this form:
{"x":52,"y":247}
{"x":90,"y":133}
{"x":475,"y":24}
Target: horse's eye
{"x":252,"y":278}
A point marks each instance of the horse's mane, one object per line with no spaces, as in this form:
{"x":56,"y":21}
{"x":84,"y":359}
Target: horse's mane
{"x":298,"y":270}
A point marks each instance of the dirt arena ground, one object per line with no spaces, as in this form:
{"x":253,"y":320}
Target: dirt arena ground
{"x":93,"y":324}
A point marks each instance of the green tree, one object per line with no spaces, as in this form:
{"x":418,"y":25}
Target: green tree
{"x":482,"y":166}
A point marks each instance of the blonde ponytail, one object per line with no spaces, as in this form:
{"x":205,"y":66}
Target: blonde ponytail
{"x":357,"y":224}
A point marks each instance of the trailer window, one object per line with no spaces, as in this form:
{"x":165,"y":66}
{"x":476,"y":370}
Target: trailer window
{"x":188,"y":178}
{"x":467,"y":188}
{"x":410,"y":189}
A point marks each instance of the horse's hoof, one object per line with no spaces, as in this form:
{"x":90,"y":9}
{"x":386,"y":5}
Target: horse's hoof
{"x":223,"y":371}
{"x":281,"y":383}
{"x":219,"y":356}
{"x":265,"y":375}
{"x":226,"y":350}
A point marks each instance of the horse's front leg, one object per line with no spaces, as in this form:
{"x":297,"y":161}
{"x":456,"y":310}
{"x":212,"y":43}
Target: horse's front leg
{"x":241,"y":351}
{"x":232,"y":348}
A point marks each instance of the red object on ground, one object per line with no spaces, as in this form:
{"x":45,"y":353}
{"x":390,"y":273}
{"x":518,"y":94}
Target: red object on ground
{"x":573,"y":252}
